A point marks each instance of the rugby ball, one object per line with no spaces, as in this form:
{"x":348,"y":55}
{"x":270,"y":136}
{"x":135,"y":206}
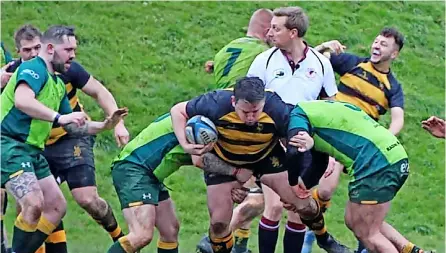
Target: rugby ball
{"x":201,"y":130}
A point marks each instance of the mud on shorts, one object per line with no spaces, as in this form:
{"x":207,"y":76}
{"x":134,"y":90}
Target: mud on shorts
{"x":380,"y":187}
{"x":71,"y":159}
{"x":136,"y":185}
{"x":274,"y":162}
{"x":18,"y":157}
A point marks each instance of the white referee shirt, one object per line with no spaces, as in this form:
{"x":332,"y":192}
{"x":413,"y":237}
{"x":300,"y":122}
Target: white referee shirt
{"x":311,"y":76}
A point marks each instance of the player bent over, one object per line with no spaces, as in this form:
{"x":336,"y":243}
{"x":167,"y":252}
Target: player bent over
{"x":249,"y":122}
{"x":138,"y":174}
{"x":372,"y":155}
{"x":28,"y":108}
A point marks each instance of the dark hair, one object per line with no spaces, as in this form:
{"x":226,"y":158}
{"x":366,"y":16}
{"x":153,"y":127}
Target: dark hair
{"x":393,"y":32}
{"x":26,"y":32}
{"x":56,"y":33}
{"x":250,"y":89}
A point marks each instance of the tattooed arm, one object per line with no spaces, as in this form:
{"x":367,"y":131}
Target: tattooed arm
{"x":213,"y":164}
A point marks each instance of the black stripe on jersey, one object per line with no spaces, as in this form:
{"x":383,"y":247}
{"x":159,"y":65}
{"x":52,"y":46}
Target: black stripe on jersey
{"x":352,"y":92}
{"x":237,"y":142}
{"x":262,"y":128}
{"x":368,"y":77}
{"x":243,"y":158}
{"x":72,"y":92}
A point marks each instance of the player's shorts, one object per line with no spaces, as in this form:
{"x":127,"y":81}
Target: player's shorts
{"x":273,"y":163}
{"x":71,"y":159}
{"x":18,"y":157}
{"x":136,"y":185}
{"x":381,"y":186}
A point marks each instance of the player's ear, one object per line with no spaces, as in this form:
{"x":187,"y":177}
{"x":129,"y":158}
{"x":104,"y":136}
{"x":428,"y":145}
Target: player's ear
{"x":50,"y":48}
{"x":394,"y":54}
{"x":233,"y":101}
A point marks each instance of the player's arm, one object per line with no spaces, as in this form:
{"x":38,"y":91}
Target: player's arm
{"x":332,"y":46}
{"x":179,"y":118}
{"x":81,"y":79}
{"x":396,"y":109}
{"x":213,"y":164}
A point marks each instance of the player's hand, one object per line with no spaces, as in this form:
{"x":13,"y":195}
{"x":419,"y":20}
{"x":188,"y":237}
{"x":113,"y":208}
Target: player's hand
{"x":239,"y":194}
{"x":209,"y":67}
{"x":5,"y":76}
{"x":302,"y":141}
{"x":122,"y":135}
{"x":77,"y":118}
{"x":330,"y":167}
{"x":111,"y":121}
{"x":434,"y":126}
{"x":197,"y":149}
{"x":333,"y":46}
{"x":301,"y":190}
{"x":242,"y":175}
{"x":289,"y":206}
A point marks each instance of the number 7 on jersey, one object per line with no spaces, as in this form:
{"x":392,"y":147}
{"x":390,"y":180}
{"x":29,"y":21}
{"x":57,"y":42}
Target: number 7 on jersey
{"x":235,"y":53}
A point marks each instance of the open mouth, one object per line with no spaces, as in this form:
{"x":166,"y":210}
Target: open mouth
{"x":376,"y":52}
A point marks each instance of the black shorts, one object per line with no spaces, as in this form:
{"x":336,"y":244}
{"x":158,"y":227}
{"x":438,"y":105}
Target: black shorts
{"x":71,"y":159}
{"x":273,"y":163}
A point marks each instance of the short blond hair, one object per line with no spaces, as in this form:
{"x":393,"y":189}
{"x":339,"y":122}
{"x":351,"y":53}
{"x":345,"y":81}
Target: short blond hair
{"x":296,"y":19}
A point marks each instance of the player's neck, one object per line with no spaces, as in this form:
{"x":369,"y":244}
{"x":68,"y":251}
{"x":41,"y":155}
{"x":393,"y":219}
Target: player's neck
{"x":383,"y":67}
{"x":297,"y":50}
{"x":253,"y":35}
{"x":48,"y":64}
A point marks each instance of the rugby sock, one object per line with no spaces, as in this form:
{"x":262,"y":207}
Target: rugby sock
{"x":411,"y":248}
{"x":109,"y":223}
{"x":122,"y":245}
{"x":324,"y":204}
{"x":222,"y":245}
{"x":294,"y":237}
{"x":57,"y":241}
{"x":167,"y":247}
{"x":23,"y":232}
{"x":268,"y":233}
{"x":241,"y":240}
{"x":317,"y":224}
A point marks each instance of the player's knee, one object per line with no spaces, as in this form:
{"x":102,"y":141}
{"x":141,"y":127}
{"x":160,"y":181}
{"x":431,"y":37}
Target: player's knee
{"x":273,"y":211}
{"x":89,"y":201}
{"x":252,"y":208}
{"x":219,"y":228}
{"x":33,"y":205}
{"x":170,"y":233}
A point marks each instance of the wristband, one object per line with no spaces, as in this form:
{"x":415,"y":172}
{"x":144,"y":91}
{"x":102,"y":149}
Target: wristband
{"x":56,"y":119}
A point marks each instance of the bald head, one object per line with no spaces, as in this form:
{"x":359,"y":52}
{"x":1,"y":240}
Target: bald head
{"x":259,"y":23}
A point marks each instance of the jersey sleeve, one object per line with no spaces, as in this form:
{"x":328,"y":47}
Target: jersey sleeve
{"x":77,"y":75}
{"x":298,"y":122}
{"x":343,"y":62}
{"x":329,"y":85}
{"x":35,"y":75}
{"x":396,"y":97}
{"x":205,"y":105}
{"x":279,"y":111}
{"x":258,"y":68}
{"x":65,"y":107}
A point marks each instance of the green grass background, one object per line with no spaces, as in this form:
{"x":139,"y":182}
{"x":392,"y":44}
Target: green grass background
{"x":150,"y":55}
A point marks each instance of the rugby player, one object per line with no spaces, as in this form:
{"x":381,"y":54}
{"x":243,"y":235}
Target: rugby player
{"x":29,"y":105}
{"x":71,"y":158}
{"x":373,"y":157}
{"x":250,"y":122}
{"x":138,"y":174}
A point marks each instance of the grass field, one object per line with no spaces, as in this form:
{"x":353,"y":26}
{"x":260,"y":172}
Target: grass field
{"x":151,"y":55}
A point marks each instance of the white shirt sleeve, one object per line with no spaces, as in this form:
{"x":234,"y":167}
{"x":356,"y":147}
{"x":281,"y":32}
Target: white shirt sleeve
{"x":329,"y":84}
{"x":258,"y":68}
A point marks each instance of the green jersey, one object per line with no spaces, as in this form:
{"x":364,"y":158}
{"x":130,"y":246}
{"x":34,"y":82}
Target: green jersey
{"x":49,"y":90}
{"x":233,"y":61}
{"x":155,"y":145}
{"x":5,"y":56}
{"x":349,"y":135}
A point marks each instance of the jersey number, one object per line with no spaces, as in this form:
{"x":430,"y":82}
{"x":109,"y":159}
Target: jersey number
{"x":235,"y":53}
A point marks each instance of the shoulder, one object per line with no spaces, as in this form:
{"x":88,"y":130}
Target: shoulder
{"x":36,"y":68}
{"x":394,"y":84}
{"x":321,"y":57}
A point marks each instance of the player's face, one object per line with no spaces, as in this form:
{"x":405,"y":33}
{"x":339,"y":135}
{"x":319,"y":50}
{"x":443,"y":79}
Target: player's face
{"x":383,"y":49}
{"x":29,"y":48}
{"x":247,"y":112}
{"x":64,"y":54}
{"x":279,"y":35}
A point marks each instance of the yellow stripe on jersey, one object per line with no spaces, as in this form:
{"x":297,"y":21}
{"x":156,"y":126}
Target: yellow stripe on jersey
{"x":382,"y":78}
{"x":366,"y":107}
{"x":365,"y":88}
{"x":232,"y":117}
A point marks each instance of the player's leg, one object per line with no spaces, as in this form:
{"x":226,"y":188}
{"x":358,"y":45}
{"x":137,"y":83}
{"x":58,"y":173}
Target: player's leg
{"x":220,"y":206}
{"x":141,"y":223}
{"x":138,"y":193}
{"x":294,"y":233}
{"x":365,"y":222}
{"x":244,"y":214}
{"x":167,"y":224}
{"x":269,"y":223}
{"x":400,"y":242}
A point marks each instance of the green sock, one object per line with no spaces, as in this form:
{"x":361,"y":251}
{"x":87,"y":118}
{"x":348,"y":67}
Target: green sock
{"x":116,"y":248}
{"x":122,"y":245}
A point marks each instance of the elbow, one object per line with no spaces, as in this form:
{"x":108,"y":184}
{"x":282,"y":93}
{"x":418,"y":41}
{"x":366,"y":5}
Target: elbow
{"x":20,"y":103}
